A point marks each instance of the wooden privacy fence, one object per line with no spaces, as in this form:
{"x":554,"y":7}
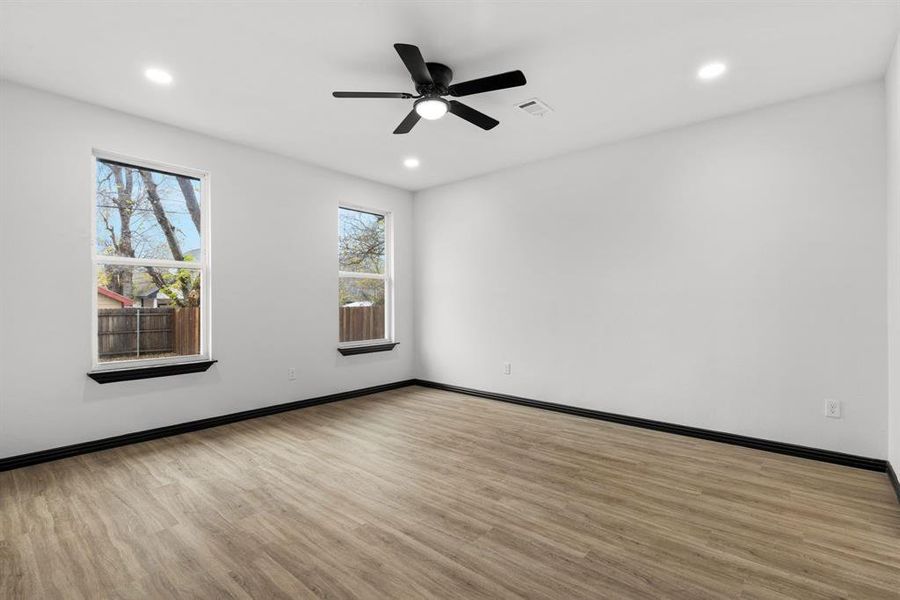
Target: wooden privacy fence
{"x":186,"y":324}
{"x":362,"y":323}
{"x":136,"y":332}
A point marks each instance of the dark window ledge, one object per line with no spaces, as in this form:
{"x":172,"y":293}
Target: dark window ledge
{"x":351,"y":350}
{"x":129,"y":374}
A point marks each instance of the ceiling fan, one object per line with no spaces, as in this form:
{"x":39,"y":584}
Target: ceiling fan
{"x":432,"y":81}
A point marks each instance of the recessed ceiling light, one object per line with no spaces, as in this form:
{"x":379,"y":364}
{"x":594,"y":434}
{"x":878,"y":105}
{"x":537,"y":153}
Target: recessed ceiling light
{"x":711,"y":70}
{"x":158,"y":76}
{"x":411,"y":163}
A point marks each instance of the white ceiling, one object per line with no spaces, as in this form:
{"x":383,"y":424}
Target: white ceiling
{"x":261,"y":73}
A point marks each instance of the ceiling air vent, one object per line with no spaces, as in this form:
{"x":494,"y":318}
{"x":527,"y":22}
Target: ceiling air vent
{"x":534,"y":107}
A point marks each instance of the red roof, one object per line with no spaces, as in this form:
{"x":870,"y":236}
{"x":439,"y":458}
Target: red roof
{"x":117,"y":297}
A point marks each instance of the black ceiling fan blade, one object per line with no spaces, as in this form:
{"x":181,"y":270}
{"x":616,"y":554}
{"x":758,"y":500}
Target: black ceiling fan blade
{"x":472,"y":116}
{"x":415,"y":64}
{"x":488,"y":84}
{"x":403,"y":95}
{"x":407,"y":124}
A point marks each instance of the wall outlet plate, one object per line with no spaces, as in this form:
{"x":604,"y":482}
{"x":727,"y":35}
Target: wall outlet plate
{"x":292,"y":374}
{"x":833,"y":409}
{"x":507,"y":368}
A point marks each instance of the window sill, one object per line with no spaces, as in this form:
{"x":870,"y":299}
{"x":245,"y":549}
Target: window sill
{"x":351,"y":350}
{"x":132,"y":373}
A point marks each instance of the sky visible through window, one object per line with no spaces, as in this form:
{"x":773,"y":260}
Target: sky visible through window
{"x":361,"y":241}
{"x":123,"y":191}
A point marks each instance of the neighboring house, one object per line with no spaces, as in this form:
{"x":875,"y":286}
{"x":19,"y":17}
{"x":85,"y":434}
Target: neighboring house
{"x":155,"y":299}
{"x":110,"y":299}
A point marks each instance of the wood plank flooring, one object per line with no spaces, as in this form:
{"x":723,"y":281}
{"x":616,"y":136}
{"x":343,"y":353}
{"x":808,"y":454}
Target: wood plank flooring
{"x":419,"y":493}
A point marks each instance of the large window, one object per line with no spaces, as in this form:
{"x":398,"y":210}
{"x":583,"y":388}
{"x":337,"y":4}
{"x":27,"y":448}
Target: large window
{"x":364,"y":276}
{"x":150,"y":264}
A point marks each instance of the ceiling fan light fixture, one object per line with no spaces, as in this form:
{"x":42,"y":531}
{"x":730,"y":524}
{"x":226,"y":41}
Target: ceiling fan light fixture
{"x":432,"y":108}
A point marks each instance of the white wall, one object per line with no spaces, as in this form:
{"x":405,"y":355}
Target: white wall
{"x":274,"y":277}
{"x":892,"y":95}
{"x":728,"y":275}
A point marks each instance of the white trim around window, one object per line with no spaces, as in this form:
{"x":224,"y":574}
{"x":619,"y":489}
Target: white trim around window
{"x":202,"y":264}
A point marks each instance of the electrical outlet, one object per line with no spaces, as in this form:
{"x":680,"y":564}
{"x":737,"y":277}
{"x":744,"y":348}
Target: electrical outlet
{"x":507,"y":368}
{"x":292,"y":374}
{"x":833,"y":409}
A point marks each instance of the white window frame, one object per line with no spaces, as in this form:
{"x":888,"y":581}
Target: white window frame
{"x":387,"y":277}
{"x":202,"y":264}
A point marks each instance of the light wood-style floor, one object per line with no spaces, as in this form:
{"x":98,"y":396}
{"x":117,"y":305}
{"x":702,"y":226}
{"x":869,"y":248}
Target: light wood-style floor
{"x":418,"y":493}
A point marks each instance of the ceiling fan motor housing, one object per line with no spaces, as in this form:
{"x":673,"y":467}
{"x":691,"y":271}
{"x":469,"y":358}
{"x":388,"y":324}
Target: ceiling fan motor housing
{"x":441,"y":76}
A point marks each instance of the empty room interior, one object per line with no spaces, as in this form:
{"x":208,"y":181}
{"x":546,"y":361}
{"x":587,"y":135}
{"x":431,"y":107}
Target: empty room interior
{"x":450,"y":299}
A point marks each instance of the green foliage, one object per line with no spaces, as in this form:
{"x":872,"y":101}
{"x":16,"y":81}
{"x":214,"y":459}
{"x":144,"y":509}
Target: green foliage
{"x":182,"y":287}
{"x":361,"y":290}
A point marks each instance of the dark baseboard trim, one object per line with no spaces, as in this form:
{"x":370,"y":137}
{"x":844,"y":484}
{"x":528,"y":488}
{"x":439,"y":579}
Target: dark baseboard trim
{"x":892,"y":474}
{"x":33,"y":458}
{"x":829,"y":456}
{"x":133,"y":373}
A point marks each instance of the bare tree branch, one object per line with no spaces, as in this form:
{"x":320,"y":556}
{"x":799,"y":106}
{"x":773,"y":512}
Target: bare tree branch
{"x":190,"y":200}
{"x":188,"y":286}
{"x":160,"y":213}
{"x":120,"y":281}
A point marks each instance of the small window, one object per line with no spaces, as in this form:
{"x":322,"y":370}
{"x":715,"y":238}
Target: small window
{"x":150,"y":265}
{"x":364,"y":276}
